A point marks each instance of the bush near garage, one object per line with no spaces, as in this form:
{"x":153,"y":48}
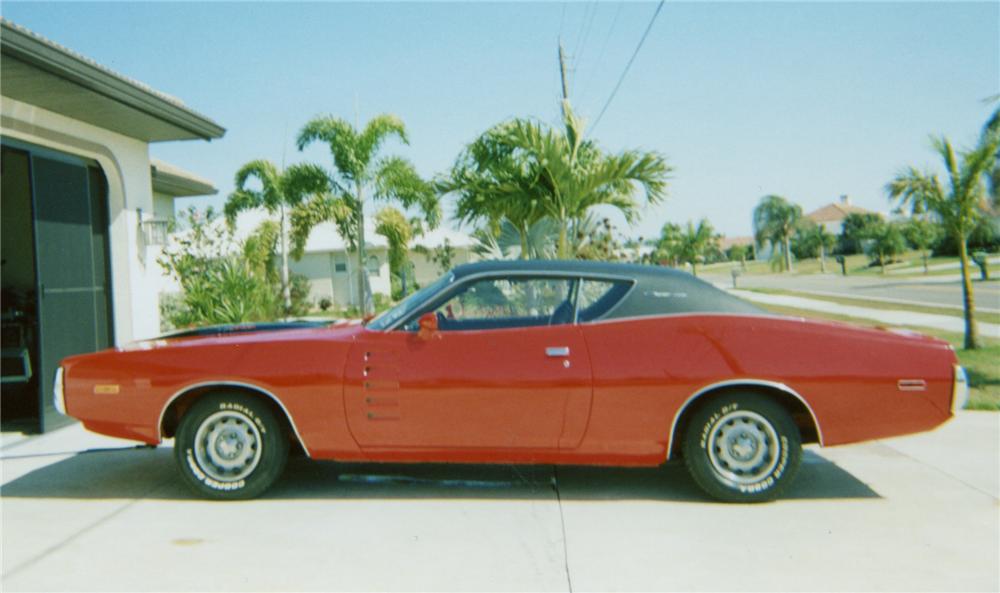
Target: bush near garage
{"x":223,"y":280}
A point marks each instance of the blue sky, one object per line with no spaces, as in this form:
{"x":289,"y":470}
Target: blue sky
{"x":806,"y":100}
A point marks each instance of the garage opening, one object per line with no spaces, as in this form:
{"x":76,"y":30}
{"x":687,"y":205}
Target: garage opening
{"x":56,"y":280}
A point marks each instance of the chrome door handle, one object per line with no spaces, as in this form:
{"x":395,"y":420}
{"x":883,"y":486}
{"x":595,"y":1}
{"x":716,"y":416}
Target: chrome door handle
{"x":557,"y":351}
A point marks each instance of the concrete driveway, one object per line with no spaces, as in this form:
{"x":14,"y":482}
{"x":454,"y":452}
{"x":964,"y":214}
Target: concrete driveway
{"x":917,"y":513}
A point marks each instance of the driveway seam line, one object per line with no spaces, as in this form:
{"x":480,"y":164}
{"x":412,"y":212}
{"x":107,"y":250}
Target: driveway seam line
{"x":562,"y":525}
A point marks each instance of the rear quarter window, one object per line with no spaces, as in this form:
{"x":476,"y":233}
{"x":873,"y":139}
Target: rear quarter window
{"x":598,"y":297}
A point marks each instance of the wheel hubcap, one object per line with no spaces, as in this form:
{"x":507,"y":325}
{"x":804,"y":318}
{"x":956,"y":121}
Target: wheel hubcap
{"x":743,"y":447}
{"x":228,"y":446}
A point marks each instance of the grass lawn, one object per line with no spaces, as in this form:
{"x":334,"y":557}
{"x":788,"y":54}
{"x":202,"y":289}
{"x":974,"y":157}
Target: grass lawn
{"x":981,"y":316}
{"x":982,"y":365}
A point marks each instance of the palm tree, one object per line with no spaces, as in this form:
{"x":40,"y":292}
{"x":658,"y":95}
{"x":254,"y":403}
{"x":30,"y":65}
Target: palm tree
{"x":887,"y":242}
{"x":774,"y":222}
{"x":525,"y":170}
{"x":921,"y":233}
{"x":279,"y":191}
{"x":398,"y":231}
{"x":959,"y":205}
{"x":493,"y":185}
{"x":692,"y":244}
{"x":358,"y":170}
{"x":575,"y":175}
{"x":510,"y":241}
{"x":813,"y":239}
{"x":992,"y":127}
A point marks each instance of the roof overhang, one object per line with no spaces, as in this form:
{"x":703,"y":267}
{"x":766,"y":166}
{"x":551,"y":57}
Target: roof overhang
{"x":178,"y":183}
{"x":37,"y":71}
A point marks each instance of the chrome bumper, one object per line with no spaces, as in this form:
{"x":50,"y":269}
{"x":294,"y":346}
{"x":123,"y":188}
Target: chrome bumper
{"x":959,"y":390}
{"x":58,"y":396}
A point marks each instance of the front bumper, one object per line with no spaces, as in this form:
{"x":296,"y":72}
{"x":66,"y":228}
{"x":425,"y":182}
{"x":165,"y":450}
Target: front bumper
{"x":959,"y":390}
{"x":58,"y":392}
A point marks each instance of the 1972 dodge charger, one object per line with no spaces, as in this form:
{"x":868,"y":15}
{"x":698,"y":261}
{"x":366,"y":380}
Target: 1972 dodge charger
{"x":522,"y":362}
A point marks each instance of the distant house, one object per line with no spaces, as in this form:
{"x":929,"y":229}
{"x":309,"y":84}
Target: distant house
{"x":328,"y":265}
{"x":832,"y":215}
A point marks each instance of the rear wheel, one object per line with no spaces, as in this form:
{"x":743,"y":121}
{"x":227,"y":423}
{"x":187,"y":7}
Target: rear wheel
{"x":742,"y":448}
{"x":230,"y":446}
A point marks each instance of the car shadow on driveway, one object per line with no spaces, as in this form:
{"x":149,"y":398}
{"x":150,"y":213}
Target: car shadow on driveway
{"x":150,"y":473}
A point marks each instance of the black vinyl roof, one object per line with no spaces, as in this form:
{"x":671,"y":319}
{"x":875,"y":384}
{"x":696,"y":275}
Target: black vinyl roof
{"x":656,"y":290}
{"x":566,"y":266}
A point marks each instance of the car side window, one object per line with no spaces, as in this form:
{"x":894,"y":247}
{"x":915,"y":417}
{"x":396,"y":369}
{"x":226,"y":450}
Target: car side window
{"x":500,"y":303}
{"x":598,"y":297}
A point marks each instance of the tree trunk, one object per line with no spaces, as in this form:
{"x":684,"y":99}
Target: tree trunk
{"x":524,"y":242}
{"x":788,"y":253}
{"x":563,"y":247}
{"x":822,"y":258}
{"x":286,"y":288}
{"x":971,"y":335}
{"x":362,"y":270}
{"x":926,"y":269}
{"x":694,"y":269}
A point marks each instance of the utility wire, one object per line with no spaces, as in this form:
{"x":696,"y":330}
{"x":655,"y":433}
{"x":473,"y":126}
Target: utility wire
{"x":600,"y":57}
{"x":621,"y":79}
{"x":588,"y":20}
{"x":562,"y":20}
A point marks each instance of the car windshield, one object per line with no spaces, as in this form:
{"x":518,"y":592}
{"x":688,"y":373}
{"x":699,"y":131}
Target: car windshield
{"x":410,"y":303}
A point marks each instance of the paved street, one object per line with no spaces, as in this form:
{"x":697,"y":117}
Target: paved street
{"x":944,"y":322}
{"x":932,"y":290}
{"x":917,"y":513}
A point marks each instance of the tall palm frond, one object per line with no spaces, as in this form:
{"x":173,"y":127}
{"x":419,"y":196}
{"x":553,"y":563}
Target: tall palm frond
{"x":556,"y":171}
{"x":539,"y":241}
{"x":340,"y":210}
{"x":960,"y":205}
{"x":774,"y":222}
{"x":356,"y":161}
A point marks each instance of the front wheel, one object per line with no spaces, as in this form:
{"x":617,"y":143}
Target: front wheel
{"x":742,"y":448}
{"x":230,"y":446}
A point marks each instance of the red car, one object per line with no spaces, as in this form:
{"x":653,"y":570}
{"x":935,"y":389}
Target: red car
{"x":523,"y":362}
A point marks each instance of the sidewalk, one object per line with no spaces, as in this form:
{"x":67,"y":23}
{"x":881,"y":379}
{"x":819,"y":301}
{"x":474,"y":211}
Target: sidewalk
{"x":889,"y":317}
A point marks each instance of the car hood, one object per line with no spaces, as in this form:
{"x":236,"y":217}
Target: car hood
{"x":241,"y":334}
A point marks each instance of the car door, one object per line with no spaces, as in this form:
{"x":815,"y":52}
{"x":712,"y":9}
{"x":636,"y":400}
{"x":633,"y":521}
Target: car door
{"x":506,"y":369}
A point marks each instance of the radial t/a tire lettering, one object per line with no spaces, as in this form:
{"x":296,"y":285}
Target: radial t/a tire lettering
{"x":230,"y":447}
{"x":742,"y":447}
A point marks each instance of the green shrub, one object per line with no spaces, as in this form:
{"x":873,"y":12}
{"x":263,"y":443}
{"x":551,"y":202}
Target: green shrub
{"x":222,"y":280}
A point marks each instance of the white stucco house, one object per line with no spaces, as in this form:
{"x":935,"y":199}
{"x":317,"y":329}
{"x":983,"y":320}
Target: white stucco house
{"x":82,"y":208}
{"x":328,"y":265}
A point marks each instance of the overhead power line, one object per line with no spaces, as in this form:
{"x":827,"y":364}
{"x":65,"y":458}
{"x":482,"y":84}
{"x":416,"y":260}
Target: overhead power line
{"x":585,"y":87}
{"x":588,"y":20}
{"x":562,"y":20}
{"x":621,"y":78}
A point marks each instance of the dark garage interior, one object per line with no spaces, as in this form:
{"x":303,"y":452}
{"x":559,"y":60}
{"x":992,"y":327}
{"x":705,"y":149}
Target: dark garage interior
{"x":56,"y":280}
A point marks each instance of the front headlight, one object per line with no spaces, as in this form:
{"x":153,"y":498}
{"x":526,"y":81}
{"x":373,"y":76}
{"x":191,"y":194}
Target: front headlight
{"x":58,"y":396}
{"x":959,"y":390}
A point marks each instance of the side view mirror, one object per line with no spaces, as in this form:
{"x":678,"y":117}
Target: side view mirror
{"x":428,"y":324}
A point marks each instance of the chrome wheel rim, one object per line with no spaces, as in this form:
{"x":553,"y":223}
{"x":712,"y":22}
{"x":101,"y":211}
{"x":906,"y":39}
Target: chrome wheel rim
{"x":227,"y":446}
{"x":743,"y":447}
